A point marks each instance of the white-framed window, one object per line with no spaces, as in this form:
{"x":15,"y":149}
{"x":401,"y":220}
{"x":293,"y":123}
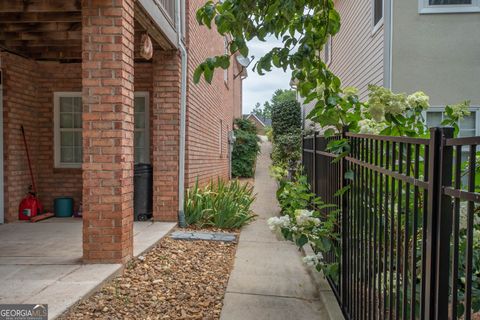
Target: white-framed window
{"x":377,"y":14}
{"x":468,"y":126}
{"x":327,"y":51}
{"x":448,"y":6}
{"x":68,"y":148}
{"x":68,"y":129}
{"x":142,"y":127}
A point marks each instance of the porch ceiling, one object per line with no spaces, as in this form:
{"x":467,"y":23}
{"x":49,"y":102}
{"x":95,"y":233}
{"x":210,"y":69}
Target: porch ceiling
{"x":51,"y":30}
{"x":42,"y":29}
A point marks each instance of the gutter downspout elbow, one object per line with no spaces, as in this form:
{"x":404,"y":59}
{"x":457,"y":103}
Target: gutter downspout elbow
{"x":183,"y":109}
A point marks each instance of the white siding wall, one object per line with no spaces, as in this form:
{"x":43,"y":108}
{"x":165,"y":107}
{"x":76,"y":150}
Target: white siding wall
{"x":357,"y":52}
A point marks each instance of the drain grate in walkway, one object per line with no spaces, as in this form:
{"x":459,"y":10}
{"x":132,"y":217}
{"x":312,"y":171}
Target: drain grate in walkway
{"x":206,"y":236}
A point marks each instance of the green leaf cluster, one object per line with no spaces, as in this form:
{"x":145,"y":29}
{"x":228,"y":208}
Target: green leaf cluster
{"x":286,"y":118}
{"x":219,"y":204}
{"x":245,"y":149}
{"x":304,"y":26}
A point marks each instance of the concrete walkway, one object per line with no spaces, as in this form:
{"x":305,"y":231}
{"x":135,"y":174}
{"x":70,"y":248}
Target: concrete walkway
{"x":269,"y":280}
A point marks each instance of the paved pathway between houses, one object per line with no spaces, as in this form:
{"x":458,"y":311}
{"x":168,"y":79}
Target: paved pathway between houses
{"x":269,"y":280}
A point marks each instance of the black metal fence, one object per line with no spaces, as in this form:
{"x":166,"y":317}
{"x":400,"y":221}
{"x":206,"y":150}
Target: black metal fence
{"x":410,"y":236}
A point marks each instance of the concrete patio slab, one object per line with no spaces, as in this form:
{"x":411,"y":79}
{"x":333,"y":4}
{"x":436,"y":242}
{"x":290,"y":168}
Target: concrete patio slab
{"x":42,"y":262}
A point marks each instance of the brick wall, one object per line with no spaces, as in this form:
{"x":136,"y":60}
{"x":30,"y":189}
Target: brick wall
{"x":210,"y":108}
{"x":29,"y":89}
{"x":165,"y":134}
{"x":107,"y":93}
{"x":55,"y":182}
{"x":20,"y":107}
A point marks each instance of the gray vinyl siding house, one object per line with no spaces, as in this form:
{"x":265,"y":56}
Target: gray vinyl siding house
{"x":410,"y":45}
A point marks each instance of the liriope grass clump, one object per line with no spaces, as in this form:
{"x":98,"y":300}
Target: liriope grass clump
{"x":220,"y":204}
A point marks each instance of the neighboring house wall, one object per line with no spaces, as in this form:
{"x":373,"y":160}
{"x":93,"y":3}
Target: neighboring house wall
{"x":357,"y":50}
{"x":436,"y":53}
{"x":211,"y":108}
{"x":260,"y":126}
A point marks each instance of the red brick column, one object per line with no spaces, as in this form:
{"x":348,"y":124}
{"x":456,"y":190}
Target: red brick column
{"x":107,"y":79}
{"x":165,"y":134}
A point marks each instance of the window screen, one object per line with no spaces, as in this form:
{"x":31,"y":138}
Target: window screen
{"x":449,"y":2}
{"x":467,"y":126}
{"x":377,"y":11}
{"x":70,"y":130}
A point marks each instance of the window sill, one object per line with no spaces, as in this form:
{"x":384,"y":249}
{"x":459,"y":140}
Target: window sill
{"x":443,"y":10}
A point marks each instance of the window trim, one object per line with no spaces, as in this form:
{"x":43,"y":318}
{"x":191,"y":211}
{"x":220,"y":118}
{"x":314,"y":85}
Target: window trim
{"x":473,"y":108}
{"x":56,"y":133}
{"x":379,"y":24}
{"x":146,"y":95}
{"x":425,"y":8}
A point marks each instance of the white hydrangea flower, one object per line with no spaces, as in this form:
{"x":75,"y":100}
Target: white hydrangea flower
{"x":420,"y":99}
{"x":312,"y":260}
{"x":397,"y":105}
{"x":302,"y":216}
{"x":376,"y":110}
{"x":276,"y":223}
{"x":460,"y":110}
{"x":369,"y":126}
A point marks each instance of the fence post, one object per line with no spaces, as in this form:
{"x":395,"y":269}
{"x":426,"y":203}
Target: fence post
{"x":314,"y":163}
{"x":344,"y":226}
{"x":439,"y":225}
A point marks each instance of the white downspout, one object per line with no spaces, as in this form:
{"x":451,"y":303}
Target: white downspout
{"x":183,"y":108}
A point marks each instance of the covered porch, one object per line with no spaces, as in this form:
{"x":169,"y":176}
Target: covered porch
{"x":92,"y":106}
{"x":42,"y":262}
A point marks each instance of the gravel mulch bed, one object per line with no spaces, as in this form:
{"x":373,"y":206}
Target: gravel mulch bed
{"x":175,"y":280}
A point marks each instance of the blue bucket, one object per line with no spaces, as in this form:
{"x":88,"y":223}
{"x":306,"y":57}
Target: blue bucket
{"x":63,"y":207}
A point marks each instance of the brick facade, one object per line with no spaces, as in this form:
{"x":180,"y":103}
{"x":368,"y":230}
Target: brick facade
{"x":107,"y":74}
{"x":211,"y":108}
{"x":107,"y":78}
{"x":165,"y":140}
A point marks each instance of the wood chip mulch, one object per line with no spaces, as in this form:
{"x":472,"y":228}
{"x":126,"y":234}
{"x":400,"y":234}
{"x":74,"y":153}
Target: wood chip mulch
{"x":175,"y":280}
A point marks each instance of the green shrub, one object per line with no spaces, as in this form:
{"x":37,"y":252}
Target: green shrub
{"x":269,"y":133}
{"x":245,"y":125}
{"x":286,"y":150}
{"x":245,"y":149}
{"x":222,"y":204}
{"x":286,"y":117}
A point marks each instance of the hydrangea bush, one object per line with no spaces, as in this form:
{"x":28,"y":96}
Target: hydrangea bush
{"x":304,"y":220}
